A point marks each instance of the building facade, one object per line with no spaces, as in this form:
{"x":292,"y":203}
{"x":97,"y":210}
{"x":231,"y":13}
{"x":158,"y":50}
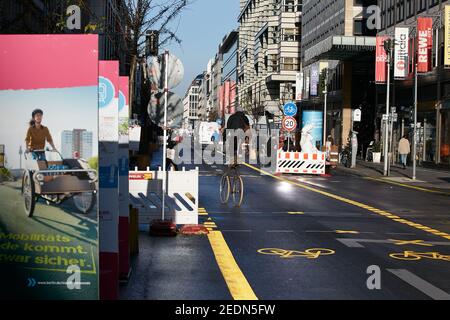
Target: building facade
{"x":77,"y":142}
{"x":268,"y":52}
{"x":433,"y":87}
{"x":191,"y":103}
{"x":228,"y":90}
{"x":338,"y":50}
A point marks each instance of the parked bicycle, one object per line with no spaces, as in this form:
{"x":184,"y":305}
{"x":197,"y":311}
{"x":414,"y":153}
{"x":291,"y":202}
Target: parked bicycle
{"x":346,"y":157}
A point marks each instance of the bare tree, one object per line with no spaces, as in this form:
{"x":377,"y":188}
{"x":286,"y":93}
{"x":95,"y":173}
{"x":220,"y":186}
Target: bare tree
{"x":143,"y":15}
{"x":253,"y":106}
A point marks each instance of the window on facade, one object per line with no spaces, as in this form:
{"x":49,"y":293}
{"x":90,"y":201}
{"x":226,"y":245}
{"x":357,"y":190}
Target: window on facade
{"x":289,"y":64}
{"x":291,"y":34}
{"x":272,"y":63}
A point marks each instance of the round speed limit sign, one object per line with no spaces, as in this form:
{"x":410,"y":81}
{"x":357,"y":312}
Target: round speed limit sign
{"x":289,"y":124}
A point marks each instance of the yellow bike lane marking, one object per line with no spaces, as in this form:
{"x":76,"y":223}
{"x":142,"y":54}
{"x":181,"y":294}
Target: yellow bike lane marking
{"x":380,"y":212}
{"x":407,"y":186}
{"x":237,"y":283}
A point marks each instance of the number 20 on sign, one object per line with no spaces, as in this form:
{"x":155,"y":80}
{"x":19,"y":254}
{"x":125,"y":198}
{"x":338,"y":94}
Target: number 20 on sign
{"x":289,"y":124}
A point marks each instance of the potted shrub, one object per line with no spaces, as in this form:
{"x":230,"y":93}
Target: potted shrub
{"x":376,"y":153}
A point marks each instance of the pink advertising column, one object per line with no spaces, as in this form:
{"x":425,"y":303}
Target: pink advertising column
{"x":109,"y":179}
{"x":124,"y":250}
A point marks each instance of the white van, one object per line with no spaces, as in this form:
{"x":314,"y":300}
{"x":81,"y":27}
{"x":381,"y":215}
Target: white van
{"x":204,"y":132}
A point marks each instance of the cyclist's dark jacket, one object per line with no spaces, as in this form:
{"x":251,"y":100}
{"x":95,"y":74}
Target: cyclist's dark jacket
{"x":238,"y":121}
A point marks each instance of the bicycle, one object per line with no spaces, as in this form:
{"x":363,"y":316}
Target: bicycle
{"x":346,"y":157}
{"x":414,"y":256}
{"x":232,"y":183}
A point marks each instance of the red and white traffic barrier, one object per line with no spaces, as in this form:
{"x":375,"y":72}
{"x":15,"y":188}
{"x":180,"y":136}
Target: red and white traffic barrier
{"x":301,"y":163}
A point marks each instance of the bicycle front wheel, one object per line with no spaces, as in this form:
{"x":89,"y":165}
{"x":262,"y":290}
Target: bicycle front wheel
{"x":224,"y":189}
{"x":238,"y":191}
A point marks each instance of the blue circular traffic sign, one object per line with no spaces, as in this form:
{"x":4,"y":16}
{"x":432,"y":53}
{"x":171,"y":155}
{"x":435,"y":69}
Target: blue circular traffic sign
{"x":290,"y":109}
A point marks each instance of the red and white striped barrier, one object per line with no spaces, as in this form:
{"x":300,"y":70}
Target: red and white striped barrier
{"x":301,"y":163}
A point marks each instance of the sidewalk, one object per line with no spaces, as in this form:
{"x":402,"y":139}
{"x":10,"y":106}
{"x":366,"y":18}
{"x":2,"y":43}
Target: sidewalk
{"x":433,"y":179}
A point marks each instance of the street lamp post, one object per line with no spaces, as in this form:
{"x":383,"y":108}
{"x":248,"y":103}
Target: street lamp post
{"x":166,"y":91}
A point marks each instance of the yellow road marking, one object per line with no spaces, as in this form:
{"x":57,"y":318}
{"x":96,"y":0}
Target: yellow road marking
{"x":415,"y":242}
{"x":238,"y":285}
{"x":355,"y":203}
{"x":414,"y":256}
{"x":294,"y":213}
{"x":312,"y":253}
{"x":407,"y":186}
{"x":344,"y":232}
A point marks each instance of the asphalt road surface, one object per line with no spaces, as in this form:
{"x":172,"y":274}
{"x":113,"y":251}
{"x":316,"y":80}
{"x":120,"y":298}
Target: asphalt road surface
{"x":300,"y":237}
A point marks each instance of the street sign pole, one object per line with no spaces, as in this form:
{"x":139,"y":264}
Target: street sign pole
{"x":415,"y":124}
{"x":325,"y":107}
{"x":386,"y":127}
{"x":166,"y":91}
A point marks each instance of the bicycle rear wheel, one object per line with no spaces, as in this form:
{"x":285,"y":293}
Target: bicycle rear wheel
{"x":238,"y":190}
{"x":224,"y":189}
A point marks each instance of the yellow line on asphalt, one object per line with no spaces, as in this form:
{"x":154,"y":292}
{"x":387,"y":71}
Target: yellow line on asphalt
{"x":357,"y":204}
{"x":407,"y":186}
{"x":296,"y":212}
{"x":346,"y":232}
{"x":236,"y":282}
{"x":238,"y":285}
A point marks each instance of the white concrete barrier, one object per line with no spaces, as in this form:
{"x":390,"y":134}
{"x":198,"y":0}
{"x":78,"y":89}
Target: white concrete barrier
{"x":181,"y":199}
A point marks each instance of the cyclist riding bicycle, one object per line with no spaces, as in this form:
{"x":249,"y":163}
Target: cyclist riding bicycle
{"x":37,"y":136}
{"x":236,"y":121}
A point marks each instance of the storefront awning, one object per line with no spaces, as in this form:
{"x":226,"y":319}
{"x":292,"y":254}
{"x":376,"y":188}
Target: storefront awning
{"x":340,"y":48}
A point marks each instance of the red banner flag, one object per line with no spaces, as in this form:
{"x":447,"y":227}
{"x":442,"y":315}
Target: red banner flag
{"x":381,"y":60}
{"x":424,"y":44}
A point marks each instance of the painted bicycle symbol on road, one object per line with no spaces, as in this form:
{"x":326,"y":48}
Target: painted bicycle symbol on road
{"x":414,"y":256}
{"x":312,"y":253}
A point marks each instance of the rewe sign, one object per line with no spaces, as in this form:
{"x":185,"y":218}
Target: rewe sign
{"x":424,"y":43}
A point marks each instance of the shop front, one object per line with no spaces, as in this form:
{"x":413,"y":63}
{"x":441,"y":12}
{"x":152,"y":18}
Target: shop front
{"x":444,"y":149}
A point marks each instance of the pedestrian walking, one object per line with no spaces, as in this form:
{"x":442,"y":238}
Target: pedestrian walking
{"x":404,"y":149}
{"x":172,"y":142}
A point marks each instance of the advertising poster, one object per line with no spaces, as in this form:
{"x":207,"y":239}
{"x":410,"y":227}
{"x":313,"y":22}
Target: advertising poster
{"x":299,"y":86}
{"x":381,"y":60}
{"x":401,"y":54}
{"x":108,"y":95}
{"x":447,"y":36}
{"x":314,"y":79}
{"x":314,"y":121}
{"x":124,"y":251}
{"x":425,"y":44}
{"x":48,"y":193}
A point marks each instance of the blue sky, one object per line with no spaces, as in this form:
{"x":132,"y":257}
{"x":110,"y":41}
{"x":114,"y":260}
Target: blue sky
{"x":202,"y":27}
{"x":64,"y":109}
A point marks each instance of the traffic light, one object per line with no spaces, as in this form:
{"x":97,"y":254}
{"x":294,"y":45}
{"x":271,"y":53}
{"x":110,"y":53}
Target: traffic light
{"x":152,"y":43}
{"x":387,"y":45}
